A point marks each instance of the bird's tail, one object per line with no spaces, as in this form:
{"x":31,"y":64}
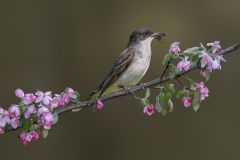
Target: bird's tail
{"x":95,"y":94}
{"x":100,"y":92}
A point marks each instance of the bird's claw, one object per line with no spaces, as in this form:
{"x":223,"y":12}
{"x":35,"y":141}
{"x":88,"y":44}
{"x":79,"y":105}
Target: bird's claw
{"x":142,"y":85}
{"x":129,"y":90}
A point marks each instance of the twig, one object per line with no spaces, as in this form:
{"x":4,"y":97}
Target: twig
{"x":165,"y":70}
{"x":121,"y":93}
{"x":181,"y":83}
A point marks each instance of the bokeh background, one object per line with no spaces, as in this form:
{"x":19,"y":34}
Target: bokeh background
{"x":49,"y":45}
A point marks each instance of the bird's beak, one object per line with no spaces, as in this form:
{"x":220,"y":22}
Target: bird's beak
{"x":158,"y":36}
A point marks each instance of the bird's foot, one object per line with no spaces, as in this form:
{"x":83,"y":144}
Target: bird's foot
{"x":142,"y":85}
{"x":128,"y":89}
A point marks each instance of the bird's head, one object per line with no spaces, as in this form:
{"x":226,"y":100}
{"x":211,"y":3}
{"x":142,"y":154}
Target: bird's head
{"x":140,"y":35}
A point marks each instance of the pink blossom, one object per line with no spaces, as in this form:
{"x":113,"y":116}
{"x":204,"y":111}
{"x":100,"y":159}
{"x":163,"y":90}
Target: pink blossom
{"x":47,"y":120}
{"x":68,"y":95}
{"x":27,"y":137}
{"x":149,"y":109}
{"x":14,"y":111}
{"x":71,"y":93}
{"x":204,"y":92}
{"x":43,"y":110}
{"x":184,"y":64}
{"x":1,"y":129}
{"x":206,"y":60}
{"x":187,"y":101}
{"x":14,"y":115}
{"x":14,"y":122}
{"x":216,"y":65}
{"x":29,"y":98}
{"x":30,"y":111}
{"x":55,"y":102}
{"x":215,"y":46}
{"x":34,"y":135}
{"x":174,"y":48}
{"x":60,"y":101}
{"x":217,"y":62}
{"x":46,"y":117}
{"x":19,"y":93}
{"x":203,"y":73}
{"x":3,"y":112}
{"x":200,"y":85}
{"x":45,"y":98}
{"x":24,"y":136}
{"x":209,"y":62}
{"x":4,"y":119}
{"x":99,"y":104}
{"x":2,"y":123}
{"x":10,"y":117}
{"x":45,"y":104}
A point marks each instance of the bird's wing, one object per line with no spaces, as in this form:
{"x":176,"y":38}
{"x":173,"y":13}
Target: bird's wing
{"x":120,"y":65}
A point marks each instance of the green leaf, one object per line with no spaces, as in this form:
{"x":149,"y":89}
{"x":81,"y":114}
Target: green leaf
{"x":171,"y":89}
{"x":142,"y":102}
{"x":190,"y":80}
{"x":166,"y":59}
{"x":147,"y":94}
{"x":164,"y":112}
{"x":22,"y":117}
{"x":75,"y":100}
{"x":196,"y":100}
{"x":157,"y":105}
{"x":164,"y":98}
{"x":191,"y":50}
{"x":170,"y":104}
{"x":76,"y":110}
{"x":174,"y":57}
{"x":195,"y":58}
{"x":44,"y":133}
{"x":55,"y":118}
{"x":157,"y":86}
{"x":27,"y":125}
{"x":165,"y":102}
{"x":203,"y":47}
{"x":209,"y":48}
{"x":180,"y":94}
{"x":33,"y":127}
{"x":145,"y":102}
{"x":208,"y":75}
{"x":196,"y":107}
{"x":192,"y":83}
{"x":78,"y":95}
{"x":173,"y":71}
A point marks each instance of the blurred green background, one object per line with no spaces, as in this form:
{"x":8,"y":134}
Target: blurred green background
{"x":49,"y":45}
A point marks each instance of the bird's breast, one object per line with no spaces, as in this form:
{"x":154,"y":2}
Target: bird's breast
{"x":137,"y":69}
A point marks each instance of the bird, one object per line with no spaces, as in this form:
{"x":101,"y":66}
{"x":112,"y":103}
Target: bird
{"x":131,"y":65}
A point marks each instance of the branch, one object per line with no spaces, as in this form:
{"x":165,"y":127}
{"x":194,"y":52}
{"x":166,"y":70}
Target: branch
{"x":142,"y":86}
